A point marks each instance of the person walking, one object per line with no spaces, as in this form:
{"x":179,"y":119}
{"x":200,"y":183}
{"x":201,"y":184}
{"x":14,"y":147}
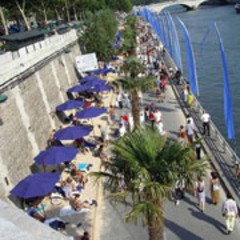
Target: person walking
{"x":214,"y":187}
{"x":190,"y":129}
{"x":200,"y":190}
{"x":205,"y":120}
{"x":179,"y":190}
{"x":112,"y":115}
{"x":198,"y":148}
{"x":230,"y":212}
{"x":119,"y":100}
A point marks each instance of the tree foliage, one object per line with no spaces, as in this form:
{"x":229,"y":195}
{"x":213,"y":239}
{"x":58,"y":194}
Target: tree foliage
{"x":145,"y":167}
{"x":100,"y":34}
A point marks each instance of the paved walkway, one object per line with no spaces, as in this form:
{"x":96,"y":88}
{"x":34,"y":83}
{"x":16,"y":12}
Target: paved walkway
{"x":183,"y":222}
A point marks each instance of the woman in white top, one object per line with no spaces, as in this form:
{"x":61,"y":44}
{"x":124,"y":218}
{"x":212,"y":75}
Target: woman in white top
{"x":130,"y":122}
{"x":160,"y":127}
{"x":158,"y":115}
{"x":142,"y":119}
{"x":200,"y":189}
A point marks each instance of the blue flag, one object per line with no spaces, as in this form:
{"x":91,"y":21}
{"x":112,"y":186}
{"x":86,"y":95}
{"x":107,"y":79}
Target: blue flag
{"x":227,"y":95}
{"x":191,"y":61}
{"x":177,"y":50}
{"x":169,"y":34}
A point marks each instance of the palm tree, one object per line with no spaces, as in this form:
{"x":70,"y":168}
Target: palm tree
{"x":132,"y":83}
{"x":129,"y":35}
{"x":144,"y":169}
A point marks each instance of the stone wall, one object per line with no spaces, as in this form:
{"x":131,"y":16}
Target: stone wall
{"x":28,"y":116}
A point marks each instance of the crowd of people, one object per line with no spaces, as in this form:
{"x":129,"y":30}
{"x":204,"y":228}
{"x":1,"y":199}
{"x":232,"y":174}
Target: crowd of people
{"x":121,"y":122}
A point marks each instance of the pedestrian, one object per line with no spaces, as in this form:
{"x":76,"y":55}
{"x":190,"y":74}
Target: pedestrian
{"x":126,"y":100}
{"x":200,"y":190}
{"x":112,"y":115}
{"x":178,"y":75}
{"x":205,"y":118}
{"x":119,"y":100}
{"x":189,"y":99}
{"x":152,"y":107}
{"x":179,"y":190}
{"x":190,"y":129}
{"x":182,"y":134}
{"x":214,"y":187}
{"x":122,"y":130}
{"x":185,"y":94}
{"x":130,"y":122}
{"x":198,"y":148}
{"x":142,"y":119}
{"x":160,"y":128}
{"x":104,"y":135}
{"x":163,"y":87}
{"x":230,"y":212}
{"x":158,"y":115}
{"x":152,"y":118}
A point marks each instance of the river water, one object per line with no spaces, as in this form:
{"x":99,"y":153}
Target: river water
{"x":208,"y":62}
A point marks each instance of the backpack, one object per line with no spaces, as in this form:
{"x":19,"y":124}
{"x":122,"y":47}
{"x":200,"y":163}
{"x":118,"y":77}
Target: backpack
{"x":200,"y":187}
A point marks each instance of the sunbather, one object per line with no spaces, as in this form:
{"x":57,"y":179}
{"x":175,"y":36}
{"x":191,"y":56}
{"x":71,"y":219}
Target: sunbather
{"x":78,"y":205}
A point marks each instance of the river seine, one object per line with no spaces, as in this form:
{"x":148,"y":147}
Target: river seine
{"x":208,"y":62}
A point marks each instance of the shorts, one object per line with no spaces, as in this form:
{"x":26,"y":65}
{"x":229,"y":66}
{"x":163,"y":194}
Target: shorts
{"x":113,"y":117}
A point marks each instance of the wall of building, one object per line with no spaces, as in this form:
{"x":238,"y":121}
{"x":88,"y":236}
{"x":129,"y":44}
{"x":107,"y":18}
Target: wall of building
{"x":28,"y":116}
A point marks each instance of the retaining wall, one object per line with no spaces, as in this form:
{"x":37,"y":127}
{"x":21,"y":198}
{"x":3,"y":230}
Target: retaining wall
{"x":28,"y":115}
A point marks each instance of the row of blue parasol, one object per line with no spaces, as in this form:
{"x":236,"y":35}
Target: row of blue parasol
{"x":41,"y":184}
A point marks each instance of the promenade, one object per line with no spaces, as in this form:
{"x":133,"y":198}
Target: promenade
{"x":185,"y":221}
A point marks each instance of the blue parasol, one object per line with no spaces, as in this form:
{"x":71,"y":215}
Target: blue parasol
{"x":101,"y":88}
{"x":68,"y":105}
{"x":56,"y":155}
{"x":78,"y":88}
{"x":88,"y":78}
{"x":72,"y":133}
{"x":94,"y":83}
{"x":90,"y":112}
{"x":102,"y":71}
{"x":36,"y":185}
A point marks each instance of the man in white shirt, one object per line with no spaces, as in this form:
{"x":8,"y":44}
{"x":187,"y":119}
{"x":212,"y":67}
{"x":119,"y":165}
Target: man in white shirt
{"x":205,"y":120}
{"x":230,"y":212}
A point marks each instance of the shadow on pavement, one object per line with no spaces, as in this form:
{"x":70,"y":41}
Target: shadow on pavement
{"x":181,"y":232}
{"x":208,"y":219}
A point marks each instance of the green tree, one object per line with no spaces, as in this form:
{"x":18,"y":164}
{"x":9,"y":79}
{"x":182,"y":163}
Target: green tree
{"x":143,"y":172}
{"x":100,"y":34}
{"x":23,"y":6}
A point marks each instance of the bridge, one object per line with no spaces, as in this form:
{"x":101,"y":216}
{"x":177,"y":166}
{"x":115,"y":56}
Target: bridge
{"x":189,"y":4}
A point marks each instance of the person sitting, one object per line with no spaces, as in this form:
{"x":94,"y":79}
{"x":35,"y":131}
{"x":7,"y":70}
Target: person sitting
{"x":68,"y":187}
{"x":81,"y":179}
{"x":32,"y":212}
{"x":78,"y":205}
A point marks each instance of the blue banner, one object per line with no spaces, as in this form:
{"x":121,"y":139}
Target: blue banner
{"x":169,"y":34}
{"x":177,"y":50}
{"x":227,"y":95}
{"x":191,"y":61}
{"x":164,"y":40}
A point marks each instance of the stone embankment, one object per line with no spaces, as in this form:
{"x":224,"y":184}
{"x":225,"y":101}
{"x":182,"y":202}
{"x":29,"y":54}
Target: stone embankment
{"x":35,"y":81}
